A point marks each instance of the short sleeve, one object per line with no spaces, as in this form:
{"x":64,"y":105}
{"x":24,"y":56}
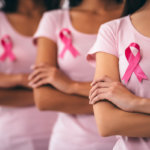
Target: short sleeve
{"x":47,"y":27}
{"x":106,"y":42}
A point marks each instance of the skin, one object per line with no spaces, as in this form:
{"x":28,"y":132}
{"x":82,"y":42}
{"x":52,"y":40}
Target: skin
{"x":28,"y":12}
{"x":65,"y":91}
{"x":16,"y":97}
{"x":128,"y":113}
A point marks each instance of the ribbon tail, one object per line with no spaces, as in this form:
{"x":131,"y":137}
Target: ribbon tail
{"x":128,"y":73}
{"x":140,"y":74}
{"x":63,"y":53}
{"x":126,"y":77}
{"x":74,"y":52}
{"x":3,"y":56}
{"x":12,"y":57}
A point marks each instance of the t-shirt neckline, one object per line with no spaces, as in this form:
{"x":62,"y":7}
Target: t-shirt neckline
{"x":12,"y":28}
{"x":135,"y":30}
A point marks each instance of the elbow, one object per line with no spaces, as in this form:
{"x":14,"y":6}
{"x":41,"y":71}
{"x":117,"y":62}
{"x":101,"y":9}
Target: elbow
{"x":39,"y":101}
{"x":104,"y":130}
{"x":39,"y":104}
{"x":106,"y":124}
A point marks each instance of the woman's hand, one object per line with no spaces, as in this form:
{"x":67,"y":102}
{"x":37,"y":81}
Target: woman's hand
{"x":44,"y":74}
{"x":24,"y":82}
{"x":114,"y":92}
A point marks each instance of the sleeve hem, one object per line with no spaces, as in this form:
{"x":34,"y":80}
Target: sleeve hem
{"x":91,"y":56}
{"x":42,"y":36}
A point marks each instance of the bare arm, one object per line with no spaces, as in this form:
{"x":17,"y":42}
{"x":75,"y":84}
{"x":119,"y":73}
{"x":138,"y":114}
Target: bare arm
{"x":13,"y":80}
{"x":16,"y":97}
{"x":111,"y":120}
{"x":52,"y":99}
{"x":141,"y":105}
{"x":81,"y":88}
{"x":47,"y":98}
{"x":8,"y":81}
{"x":10,"y":93}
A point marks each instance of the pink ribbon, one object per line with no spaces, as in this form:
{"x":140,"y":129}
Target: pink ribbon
{"x":7,"y":45}
{"x":133,"y":64}
{"x":66,"y":38}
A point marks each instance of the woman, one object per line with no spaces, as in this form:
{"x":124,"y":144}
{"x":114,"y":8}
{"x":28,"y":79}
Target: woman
{"x":63,"y":39}
{"x":128,"y":59}
{"x":22,"y":126}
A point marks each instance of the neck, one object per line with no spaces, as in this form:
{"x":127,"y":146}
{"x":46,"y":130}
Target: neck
{"x":98,"y":5}
{"x":30,"y":7}
{"x":147,"y":6}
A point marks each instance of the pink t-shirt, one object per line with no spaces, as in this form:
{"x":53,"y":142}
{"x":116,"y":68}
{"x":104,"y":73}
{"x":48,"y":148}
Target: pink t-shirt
{"x":73,"y":132}
{"x":113,"y":38}
{"x":22,"y":128}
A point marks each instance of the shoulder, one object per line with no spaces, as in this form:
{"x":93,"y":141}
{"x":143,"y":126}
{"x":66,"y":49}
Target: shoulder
{"x":57,"y":14}
{"x":116,"y":25}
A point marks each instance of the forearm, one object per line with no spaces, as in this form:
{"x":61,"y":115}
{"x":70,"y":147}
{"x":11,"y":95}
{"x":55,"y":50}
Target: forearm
{"x":109,"y":121}
{"x":47,"y":98}
{"x":16,"y":97}
{"x":14,"y":80}
{"x":8,"y":80}
{"x":81,"y":88}
{"x":141,"y":105}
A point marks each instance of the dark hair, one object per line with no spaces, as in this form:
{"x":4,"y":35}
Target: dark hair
{"x":73,"y":3}
{"x":132,"y":6}
{"x":11,"y":5}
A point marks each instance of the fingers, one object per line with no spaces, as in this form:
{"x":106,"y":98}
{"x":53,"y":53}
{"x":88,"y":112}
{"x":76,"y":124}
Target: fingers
{"x":100,"y":84}
{"x":36,"y":72}
{"x":98,"y":98}
{"x":97,"y":95}
{"x":100,"y":89}
{"x":103,"y":79}
{"x":40,"y":75}
{"x":38,"y":78}
{"x":39,"y":65}
{"x":40,"y":83}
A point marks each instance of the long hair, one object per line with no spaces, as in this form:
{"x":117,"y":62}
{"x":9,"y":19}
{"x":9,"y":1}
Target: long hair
{"x":132,"y":6}
{"x":10,"y":6}
{"x":73,"y":3}
{"x":52,"y":4}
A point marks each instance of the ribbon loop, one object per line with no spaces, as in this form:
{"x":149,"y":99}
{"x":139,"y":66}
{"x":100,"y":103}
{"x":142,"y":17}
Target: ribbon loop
{"x":7,"y":45}
{"x":133,"y":64}
{"x":66,"y":37}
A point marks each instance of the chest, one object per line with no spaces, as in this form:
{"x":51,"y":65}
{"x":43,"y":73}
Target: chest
{"x":22,"y":49}
{"x":23,"y":24}
{"x":73,"y":62}
{"x":128,"y":59}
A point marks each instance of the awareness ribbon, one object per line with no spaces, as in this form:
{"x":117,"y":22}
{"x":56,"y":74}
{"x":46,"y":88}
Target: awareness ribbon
{"x":66,"y":37}
{"x":133,"y":64}
{"x":7,"y":45}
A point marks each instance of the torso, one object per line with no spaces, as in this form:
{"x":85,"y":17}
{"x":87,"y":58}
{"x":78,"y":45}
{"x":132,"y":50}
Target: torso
{"x":122,"y":29}
{"x":22,"y":128}
{"x":81,"y":127}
